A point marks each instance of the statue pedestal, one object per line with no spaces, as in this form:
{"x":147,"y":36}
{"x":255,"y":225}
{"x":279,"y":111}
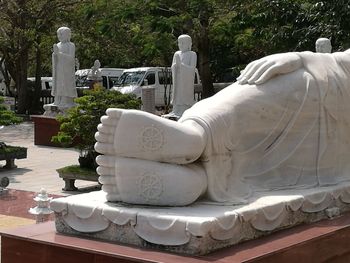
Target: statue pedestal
{"x":53,"y":110}
{"x":44,"y":128}
{"x":171,"y":116}
{"x":325,"y":241}
{"x":176,"y":112}
{"x":200,"y":228}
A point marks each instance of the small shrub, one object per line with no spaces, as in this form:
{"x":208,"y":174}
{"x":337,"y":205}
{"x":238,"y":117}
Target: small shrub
{"x":7,"y":117}
{"x":80,"y":124}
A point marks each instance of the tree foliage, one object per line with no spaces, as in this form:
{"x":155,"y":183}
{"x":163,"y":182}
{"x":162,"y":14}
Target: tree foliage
{"x":7,"y":117}
{"x":80,"y":124}
{"x":285,"y":25}
{"x":131,"y":33}
{"x":24,"y":23}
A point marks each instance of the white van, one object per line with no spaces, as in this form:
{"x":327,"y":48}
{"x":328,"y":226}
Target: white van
{"x":110,"y":77}
{"x":132,"y":80}
{"x":46,"y":82}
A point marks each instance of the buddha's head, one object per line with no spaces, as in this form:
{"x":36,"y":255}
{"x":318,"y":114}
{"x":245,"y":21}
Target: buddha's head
{"x":184,"y":42}
{"x":323,"y":45}
{"x":63,"y":34}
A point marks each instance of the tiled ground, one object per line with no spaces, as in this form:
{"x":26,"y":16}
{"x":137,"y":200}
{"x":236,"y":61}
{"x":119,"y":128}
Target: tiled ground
{"x":37,"y":171}
{"x":14,"y":206}
{"x":17,"y":203}
{"x":7,"y":222}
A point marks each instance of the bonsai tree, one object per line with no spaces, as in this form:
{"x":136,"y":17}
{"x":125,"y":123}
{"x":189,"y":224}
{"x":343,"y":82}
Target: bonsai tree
{"x":7,"y":117}
{"x":79,"y":126}
{"x":9,"y":153}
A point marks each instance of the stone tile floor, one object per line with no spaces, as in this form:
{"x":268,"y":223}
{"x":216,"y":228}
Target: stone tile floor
{"x":37,"y":171}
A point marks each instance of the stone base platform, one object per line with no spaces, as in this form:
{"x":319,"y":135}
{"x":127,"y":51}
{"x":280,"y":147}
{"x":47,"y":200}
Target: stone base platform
{"x":324,"y":241}
{"x":200,"y":228}
{"x":44,"y":128}
{"x":52,"y":110}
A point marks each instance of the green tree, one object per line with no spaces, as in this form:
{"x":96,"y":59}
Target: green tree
{"x":80,"y":124}
{"x":7,"y":117}
{"x":295,"y":25}
{"x":44,"y":13}
{"x":24,"y":24}
{"x":130,"y":33}
{"x":172,"y":18}
{"x":145,"y":32}
{"x":15,"y":43}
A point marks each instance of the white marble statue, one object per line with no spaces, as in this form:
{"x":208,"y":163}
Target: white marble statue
{"x":268,"y":152}
{"x":323,"y":45}
{"x":183,"y":72}
{"x":95,"y":71}
{"x":63,"y":70}
{"x":95,"y":75}
{"x":285,"y":124}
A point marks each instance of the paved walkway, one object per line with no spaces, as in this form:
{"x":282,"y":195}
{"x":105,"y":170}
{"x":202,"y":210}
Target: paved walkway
{"x":38,"y":170}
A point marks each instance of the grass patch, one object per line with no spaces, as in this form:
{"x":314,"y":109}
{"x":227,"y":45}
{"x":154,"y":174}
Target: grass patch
{"x":12,"y":152}
{"x":77,"y":170}
{"x":12,"y":149}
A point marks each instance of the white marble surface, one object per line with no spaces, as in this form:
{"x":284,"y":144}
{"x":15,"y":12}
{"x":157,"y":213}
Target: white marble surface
{"x":269,"y":151}
{"x":323,"y":45}
{"x":183,"y":72}
{"x":95,"y":73}
{"x":283,"y":125}
{"x":63,"y":70}
{"x":207,"y":225}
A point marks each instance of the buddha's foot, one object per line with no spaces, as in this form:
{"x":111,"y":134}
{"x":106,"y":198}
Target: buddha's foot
{"x":138,"y":134}
{"x":151,"y":183}
{"x":106,"y":170}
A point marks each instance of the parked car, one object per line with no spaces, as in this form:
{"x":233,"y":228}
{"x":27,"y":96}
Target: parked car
{"x":46,"y":82}
{"x":110,"y":77}
{"x":132,"y":80}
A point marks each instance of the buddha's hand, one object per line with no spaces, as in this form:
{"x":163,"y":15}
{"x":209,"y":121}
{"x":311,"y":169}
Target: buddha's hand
{"x":177,"y":60}
{"x":260,"y":71}
{"x":55,"y":49}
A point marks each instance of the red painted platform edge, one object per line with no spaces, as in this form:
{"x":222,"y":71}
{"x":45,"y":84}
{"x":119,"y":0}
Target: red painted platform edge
{"x":280,"y":244}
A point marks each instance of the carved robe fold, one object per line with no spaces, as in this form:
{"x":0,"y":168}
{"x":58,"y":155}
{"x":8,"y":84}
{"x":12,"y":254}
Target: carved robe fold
{"x":290,"y":132}
{"x":63,"y":72}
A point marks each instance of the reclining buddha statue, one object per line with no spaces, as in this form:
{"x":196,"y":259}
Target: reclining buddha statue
{"x":285,"y":124}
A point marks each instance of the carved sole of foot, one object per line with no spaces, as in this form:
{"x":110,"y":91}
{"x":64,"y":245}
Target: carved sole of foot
{"x":138,"y":134}
{"x":151,"y":183}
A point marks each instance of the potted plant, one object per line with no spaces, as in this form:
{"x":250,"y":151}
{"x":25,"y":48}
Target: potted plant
{"x":79,"y":126}
{"x":7,"y":117}
{"x":10,"y":153}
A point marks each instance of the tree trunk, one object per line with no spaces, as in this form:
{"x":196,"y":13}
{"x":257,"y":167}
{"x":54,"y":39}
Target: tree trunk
{"x":5,"y":73}
{"x":7,"y":79}
{"x":204,"y":57}
{"x":21,"y":82}
{"x":22,"y":61}
{"x":35,"y":106}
